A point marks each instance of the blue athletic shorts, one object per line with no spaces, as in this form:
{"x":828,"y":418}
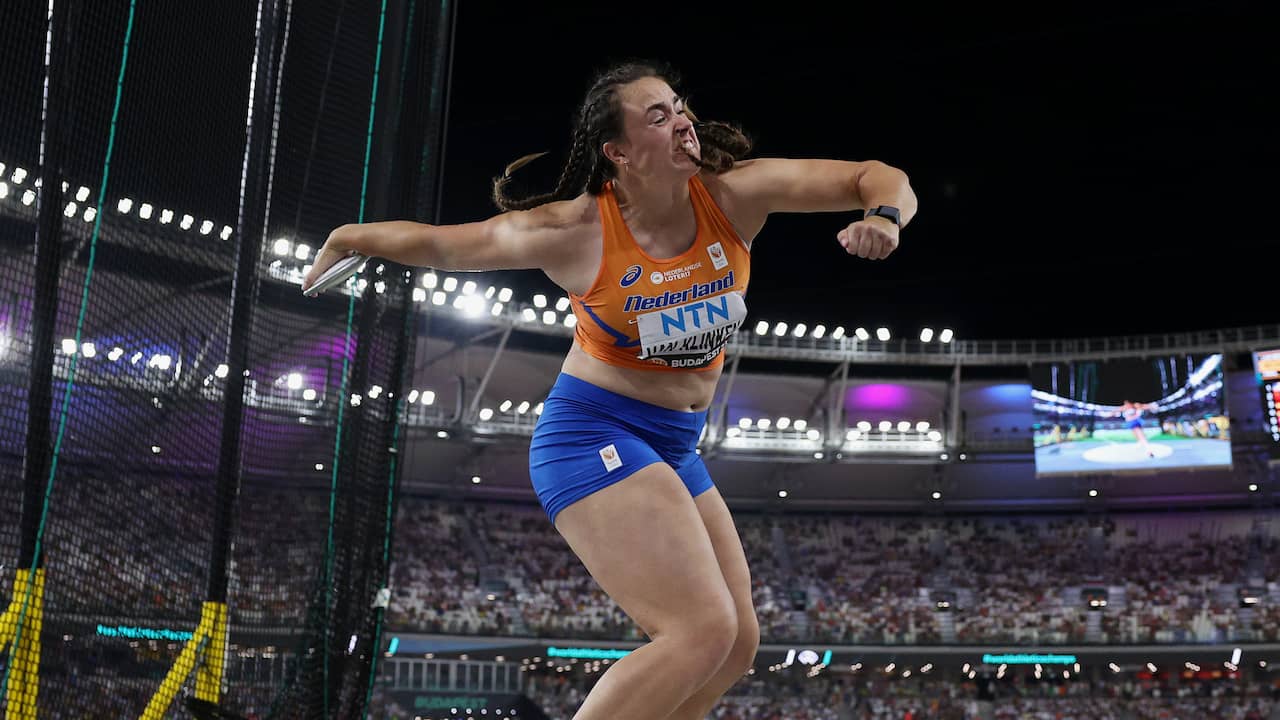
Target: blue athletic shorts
{"x":1134,"y":423}
{"x":589,"y":438}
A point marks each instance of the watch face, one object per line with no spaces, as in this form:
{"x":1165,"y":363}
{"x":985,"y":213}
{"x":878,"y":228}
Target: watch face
{"x":886,"y":212}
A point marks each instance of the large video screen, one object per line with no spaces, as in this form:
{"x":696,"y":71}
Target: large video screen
{"x":1130,"y":415}
{"x":1267,"y":364}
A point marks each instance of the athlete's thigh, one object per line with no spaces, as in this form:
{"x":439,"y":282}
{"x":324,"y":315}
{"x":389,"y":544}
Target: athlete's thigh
{"x":728,"y":548}
{"x":644,"y":542}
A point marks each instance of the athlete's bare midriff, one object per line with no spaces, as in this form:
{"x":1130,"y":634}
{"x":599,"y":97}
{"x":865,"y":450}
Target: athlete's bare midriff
{"x":688,"y":390}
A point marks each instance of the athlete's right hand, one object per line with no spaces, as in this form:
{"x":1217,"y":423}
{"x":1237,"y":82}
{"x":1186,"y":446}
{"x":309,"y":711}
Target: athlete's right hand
{"x":336,"y":247}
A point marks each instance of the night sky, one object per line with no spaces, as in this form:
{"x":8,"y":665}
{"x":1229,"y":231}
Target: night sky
{"x":1102,"y":171}
{"x":1083,"y":174}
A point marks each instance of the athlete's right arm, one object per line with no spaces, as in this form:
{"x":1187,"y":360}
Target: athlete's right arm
{"x":536,"y":238}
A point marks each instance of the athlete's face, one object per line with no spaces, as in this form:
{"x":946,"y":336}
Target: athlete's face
{"x":658,"y":138}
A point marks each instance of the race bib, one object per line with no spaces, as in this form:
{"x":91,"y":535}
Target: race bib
{"x":692,"y":334}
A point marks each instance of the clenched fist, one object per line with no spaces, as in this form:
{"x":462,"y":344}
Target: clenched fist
{"x":872,"y":238}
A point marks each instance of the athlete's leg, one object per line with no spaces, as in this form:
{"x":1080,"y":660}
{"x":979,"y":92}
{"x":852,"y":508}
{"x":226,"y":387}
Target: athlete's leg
{"x":733,"y":566}
{"x":1142,"y":441}
{"x":643,"y":541}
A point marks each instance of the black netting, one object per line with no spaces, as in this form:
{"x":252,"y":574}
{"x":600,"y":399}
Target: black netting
{"x":173,"y":408}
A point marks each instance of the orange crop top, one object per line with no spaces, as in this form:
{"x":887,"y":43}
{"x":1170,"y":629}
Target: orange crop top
{"x":674,"y":314}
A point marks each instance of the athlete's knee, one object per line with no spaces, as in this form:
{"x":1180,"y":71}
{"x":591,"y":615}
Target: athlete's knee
{"x":743,"y":654}
{"x":706,"y":638}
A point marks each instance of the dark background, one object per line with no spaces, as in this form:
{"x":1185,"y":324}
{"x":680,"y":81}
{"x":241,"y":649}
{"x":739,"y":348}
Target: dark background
{"x":1098,"y":171}
{"x":1094,"y":171}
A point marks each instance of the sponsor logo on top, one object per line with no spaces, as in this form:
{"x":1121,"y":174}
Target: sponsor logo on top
{"x":718,"y":260}
{"x":631,"y":276}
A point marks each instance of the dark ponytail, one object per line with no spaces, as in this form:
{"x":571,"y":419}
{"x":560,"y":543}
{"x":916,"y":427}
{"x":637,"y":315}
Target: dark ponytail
{"x":600,"y":120}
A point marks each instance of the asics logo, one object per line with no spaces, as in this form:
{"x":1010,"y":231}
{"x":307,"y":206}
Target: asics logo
{"x":632,"y":275}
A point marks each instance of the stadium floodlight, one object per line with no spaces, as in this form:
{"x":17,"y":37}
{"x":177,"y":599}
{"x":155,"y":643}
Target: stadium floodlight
{"x":82,"y":194}
{"x":549,"y":317}
{"x":800,"y":425}
{"x":784,"y":422}
{"x":505,"y":406}
{"x":419,"y":295}
{"x":469,"y":287}
{"x":302,"y":251}
{"x":438,"y":297}
{"x":945,"y":336}
{"x":430,"y":280}
{"x":799,"y":330}
{"x":206,"y":227}
{"x":838,"y":333}
{"x":864,"y":426}
{"x":885,"y":426}
{"x":186,"y":222}
{"x":428,"y":397}
{"x":763,"y":423}
{"x":226,"y":233}
{"x":926,"y":334}
{"x":562,"y":304}
{"x":539,"y":300}
{"x":504,"y":295}
{"x":744,"y":423}
{"x":450,"y":283}
{"x":145,"y":210}
{"x":882,"y":334}
{"x":124,"y":206}
{"x":780,"y":329}
{"x":486,"y":414}
{"x":281,"y":246}
{"x":922,"y":426}
{"x":904,"y":426}
{"x":862,"y":334}
{"x":819,"y":331}
{"x":762,"y":328}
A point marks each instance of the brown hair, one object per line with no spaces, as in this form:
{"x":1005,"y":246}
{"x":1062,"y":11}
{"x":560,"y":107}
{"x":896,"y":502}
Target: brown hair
{"x":599,"y":120}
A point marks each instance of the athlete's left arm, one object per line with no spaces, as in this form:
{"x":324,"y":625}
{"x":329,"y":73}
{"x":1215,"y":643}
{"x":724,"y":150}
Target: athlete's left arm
{"x":769,"y":185}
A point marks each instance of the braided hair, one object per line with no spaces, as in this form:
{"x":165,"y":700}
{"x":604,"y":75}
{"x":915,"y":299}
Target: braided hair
{"x":600,"y":120}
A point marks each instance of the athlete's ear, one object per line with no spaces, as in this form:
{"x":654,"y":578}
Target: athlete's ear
{"x":616,"y":155}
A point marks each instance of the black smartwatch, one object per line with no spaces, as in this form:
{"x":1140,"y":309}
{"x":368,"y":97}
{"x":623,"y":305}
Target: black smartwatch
{"x":885,"y":211}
